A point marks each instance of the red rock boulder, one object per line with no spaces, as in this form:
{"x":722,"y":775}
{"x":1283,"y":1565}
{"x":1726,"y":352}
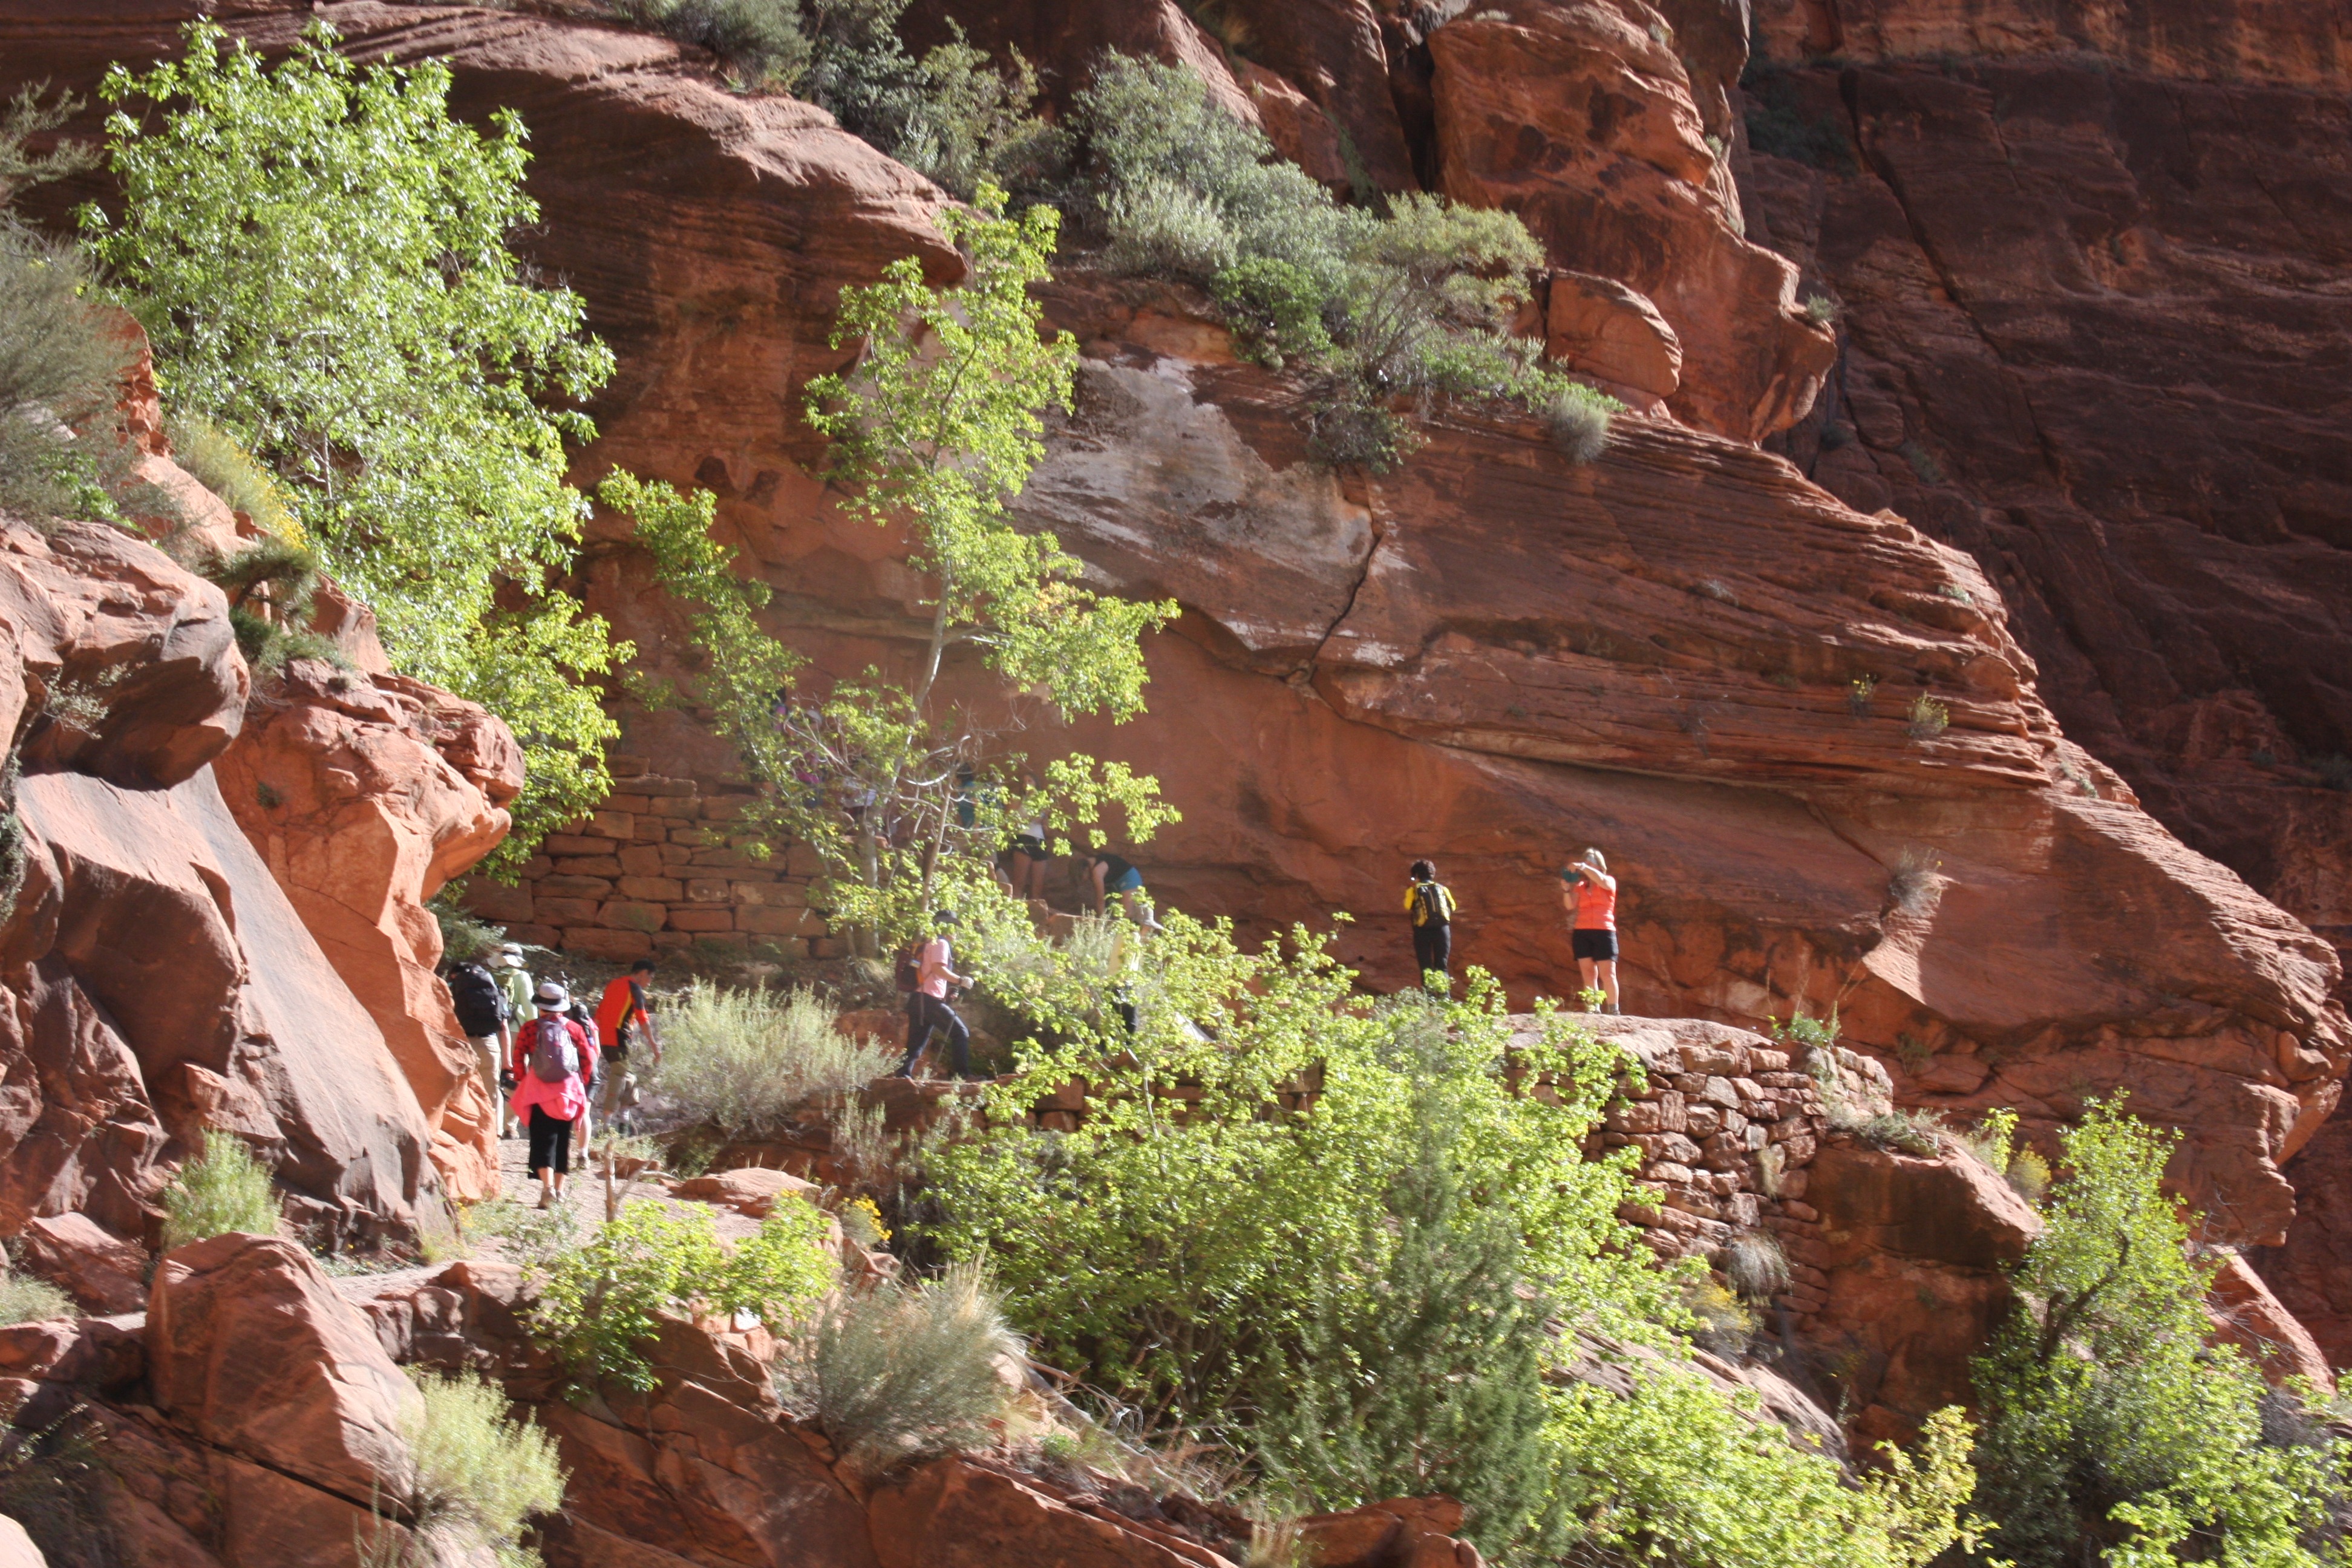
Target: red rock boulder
{"x":103,"y":1273}
{"x":365,"y":794}
{"x":253,"y":1350}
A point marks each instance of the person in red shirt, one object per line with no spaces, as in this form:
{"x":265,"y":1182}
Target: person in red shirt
{"x":1589,"y":893}
{"x":624,"y":1017}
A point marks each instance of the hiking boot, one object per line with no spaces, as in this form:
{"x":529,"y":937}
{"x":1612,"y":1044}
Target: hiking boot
{"x":547,"y":1197}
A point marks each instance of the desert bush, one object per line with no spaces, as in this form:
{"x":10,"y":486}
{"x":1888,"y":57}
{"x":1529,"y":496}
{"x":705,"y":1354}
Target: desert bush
{"x":600,"y":1301}
{"x":58,"y":367}
{"x":1927,"y":717}
{"x":1578,"y":423}
{"x":743,"y":1060}
{"x":1916,"y":881}
{"x":480,"y":1476}
{"x":1756,"y":1265}
{"x":1993,"y":1143}
{"x":234,"y":474}
{"x":221,"y":1190}
{"x":1410,"y":305}
{"x":905,"y":1371}
{"x":2118,"y":1429}
{"x":52,"y":1483}
{"x":24,"y":1300}
{"x":1720,"y":1321}
{"x":952,"y":114}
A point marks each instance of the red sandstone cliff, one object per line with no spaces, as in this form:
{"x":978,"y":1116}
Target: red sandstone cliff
{"x":1491,"y":656}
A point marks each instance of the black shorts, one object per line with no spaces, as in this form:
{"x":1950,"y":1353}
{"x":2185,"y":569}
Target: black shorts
{"x":1601,"y":946}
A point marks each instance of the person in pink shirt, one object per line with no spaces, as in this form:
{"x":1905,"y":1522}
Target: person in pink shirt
{"x":927,"y":1005}
{"x":549,"y":1054}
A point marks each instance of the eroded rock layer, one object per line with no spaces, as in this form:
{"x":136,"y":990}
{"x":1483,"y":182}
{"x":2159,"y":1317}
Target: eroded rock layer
{"x":1807,"y":730}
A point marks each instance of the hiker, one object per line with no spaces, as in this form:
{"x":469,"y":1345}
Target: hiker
{"x":488,"y":1022}
{"x":592,"y":1067}
{"x":506,"y":964}
{"x":1431,"y":904}
{"x":1105,"y":874}
{"x":1589,"y":893}
{"x":624,"y":1017}
{"x":924,"y":973}
{"x":549,"y":1054}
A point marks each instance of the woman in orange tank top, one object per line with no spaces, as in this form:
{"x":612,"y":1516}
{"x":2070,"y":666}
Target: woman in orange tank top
{"x":1589,"y":893}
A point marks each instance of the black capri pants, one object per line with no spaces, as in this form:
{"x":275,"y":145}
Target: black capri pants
{"x":550,"y":1143}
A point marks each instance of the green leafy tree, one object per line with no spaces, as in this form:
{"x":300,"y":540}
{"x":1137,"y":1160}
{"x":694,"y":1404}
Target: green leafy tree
{"x":904,"y":794}
{"x":2118,"y":1430}
{"x":1419,"y":1368}
{"x":319,"y":252}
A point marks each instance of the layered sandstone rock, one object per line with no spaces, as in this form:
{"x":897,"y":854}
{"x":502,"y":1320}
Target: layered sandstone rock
{"x":364,"y":793}
{"x":161,"y":982}
{"x":1580,"y":118}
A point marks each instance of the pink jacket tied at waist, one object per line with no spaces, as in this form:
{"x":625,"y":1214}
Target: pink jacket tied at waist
{"x":565,"y":1101}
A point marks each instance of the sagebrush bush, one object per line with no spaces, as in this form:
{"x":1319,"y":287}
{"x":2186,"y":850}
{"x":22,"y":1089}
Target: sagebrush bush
{"x":1756,"y":1265}
{"x":481,"y":1474}
{"x":904,"y":1372}
{"x":221,"y":1190}
{"x":24,"y":1300}
{"x":1917,"y":880}
{"x":59,"y":364}
{"x":463,"y":937}
{"x":741,"y":1060}
{"x":1414,"y":304}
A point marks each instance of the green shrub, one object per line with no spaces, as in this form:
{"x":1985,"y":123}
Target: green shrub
{"x":1412,"y":305}
{"x":464,"y":938}
{"x":224,"y":1189}
{"x":2118,"y":1429}
{"x":234,"y":474}
{"x":24,"y":1300}
{"x":743,"y":1061}
{"x":481,"y":1474}
{"x":1679,"y":1473}
{"x":1419,"y":1366}
{"x":951,"y":115}
{"x":601,"y":1301}
{"x":904,"y":1372}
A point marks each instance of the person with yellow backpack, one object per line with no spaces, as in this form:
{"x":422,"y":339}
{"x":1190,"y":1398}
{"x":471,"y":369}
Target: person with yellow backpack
{"x":1431,"y":904}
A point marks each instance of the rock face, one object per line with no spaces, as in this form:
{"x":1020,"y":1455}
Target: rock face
{"x":364,"y":793}
{"x":1808,"y":733}
{"x":1581,"y":119}
{"x":159,"y":981}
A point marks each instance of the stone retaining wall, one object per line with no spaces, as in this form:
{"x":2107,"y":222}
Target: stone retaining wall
{"x":1728,"y":1125}
{"x":656,"y":869}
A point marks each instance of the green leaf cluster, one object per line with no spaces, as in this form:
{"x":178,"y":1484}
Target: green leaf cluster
{"x":600,"y":1303}
{"x":1376,"y":310}
{"x":319,"y":254}
{"x":2118,"y":1428}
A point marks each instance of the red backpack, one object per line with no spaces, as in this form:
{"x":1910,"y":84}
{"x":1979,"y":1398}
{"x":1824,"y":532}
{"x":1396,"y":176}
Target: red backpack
{"x":909,"y":973}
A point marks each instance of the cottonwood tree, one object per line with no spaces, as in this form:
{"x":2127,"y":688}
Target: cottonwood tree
{"x":904,"y":792}
{"x":319,"y":254}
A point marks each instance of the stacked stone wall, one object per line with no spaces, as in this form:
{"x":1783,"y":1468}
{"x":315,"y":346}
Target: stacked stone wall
{"x":1728,"y":1124}
{"x":657,"y":869}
